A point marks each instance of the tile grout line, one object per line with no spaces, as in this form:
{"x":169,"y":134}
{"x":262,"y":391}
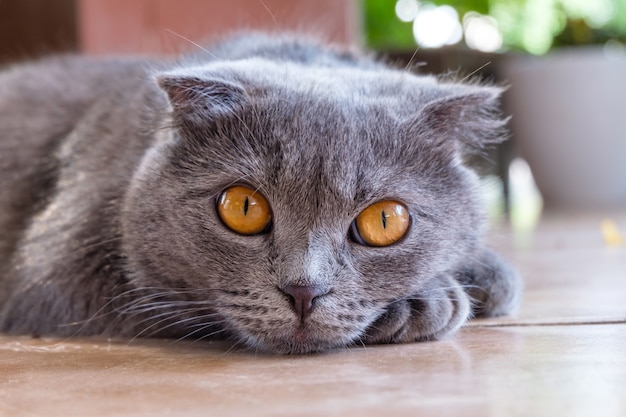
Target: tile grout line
{"x":530,"y":323}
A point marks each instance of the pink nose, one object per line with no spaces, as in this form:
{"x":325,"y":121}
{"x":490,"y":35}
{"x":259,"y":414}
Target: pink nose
{"x":303,"y":298}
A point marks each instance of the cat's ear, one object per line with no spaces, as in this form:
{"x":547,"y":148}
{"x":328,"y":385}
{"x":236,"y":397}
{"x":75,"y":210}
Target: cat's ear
{"x":470,"y":116}
{"x":200,"y":99}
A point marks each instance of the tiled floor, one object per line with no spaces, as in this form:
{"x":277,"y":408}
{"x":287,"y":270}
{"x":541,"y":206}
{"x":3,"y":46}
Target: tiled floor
{"x":563,"y":354}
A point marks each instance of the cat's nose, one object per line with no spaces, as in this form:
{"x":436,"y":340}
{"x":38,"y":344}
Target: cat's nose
{"x":303,"y":298}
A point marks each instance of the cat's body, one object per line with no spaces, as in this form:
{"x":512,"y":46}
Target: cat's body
{"x":110,"y":171}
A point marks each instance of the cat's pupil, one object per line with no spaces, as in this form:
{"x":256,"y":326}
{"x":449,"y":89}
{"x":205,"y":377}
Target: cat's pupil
{"x":246,"y":205}
{"x":384,"y":219}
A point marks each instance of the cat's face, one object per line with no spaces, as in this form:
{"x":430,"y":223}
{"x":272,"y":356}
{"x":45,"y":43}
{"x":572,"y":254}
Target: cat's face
{"x":319,"y":150}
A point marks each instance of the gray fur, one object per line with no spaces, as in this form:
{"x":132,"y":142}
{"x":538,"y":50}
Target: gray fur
{"x":109,"y":171}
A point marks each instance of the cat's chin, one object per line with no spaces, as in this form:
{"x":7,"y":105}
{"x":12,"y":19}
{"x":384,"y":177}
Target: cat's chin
{"x":294,"y":347}
{"x":298,"y":342}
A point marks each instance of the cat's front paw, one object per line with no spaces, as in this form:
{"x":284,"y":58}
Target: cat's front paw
{"x":437,"y":310}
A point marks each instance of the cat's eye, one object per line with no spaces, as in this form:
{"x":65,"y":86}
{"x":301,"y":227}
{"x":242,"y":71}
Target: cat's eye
{"x":244,"y":210}
{"x":381,"y":224}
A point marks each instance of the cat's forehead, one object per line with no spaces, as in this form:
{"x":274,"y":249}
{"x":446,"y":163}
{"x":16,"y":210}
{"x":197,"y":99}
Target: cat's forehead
{"x":313,"y":131}
{"x":330,"y":81}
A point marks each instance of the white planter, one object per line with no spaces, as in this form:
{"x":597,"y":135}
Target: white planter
{"x":569,"y":122}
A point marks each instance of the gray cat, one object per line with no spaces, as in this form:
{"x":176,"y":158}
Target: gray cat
{"x":285,"y":195}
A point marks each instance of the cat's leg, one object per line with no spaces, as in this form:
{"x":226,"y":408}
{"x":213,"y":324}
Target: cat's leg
{"x":439,"y":308}
{"x":493,"y":286}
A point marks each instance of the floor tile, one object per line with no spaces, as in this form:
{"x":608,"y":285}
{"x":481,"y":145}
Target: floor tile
{"x":538,"y":371}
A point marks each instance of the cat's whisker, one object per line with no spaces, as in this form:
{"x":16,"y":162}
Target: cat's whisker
{"x":164,"y":316}
{"x":137,"y":308}
{"x":235,"y":343}
{"x":205,"y":323}
{"x":83,"y":323}
{"x":407,"y":68}
{"x":147,"y":307}
{"x":357,"y":342}
{"x":167,"y":310}
{"x":152,"y":329}
{"x":209,"y":335}
{"x":167,"y":297}
{"x":197,"y":318}
{"x":468,"y":76}
{"x":142,"y":299}
{"x":96,"y":244}
{"x":238,"y":180}
{"x":141,"y":308}
{"x":168,"y":291}
{"x":480,"y":262}
{"x":431,"y":299}
{"x":100,"y":313}
{"x":201,"y":329}
{"x":211,"y":54}
{"x":374,"y":327}
{"x":180,"y":321}
{"x":269,"y":11}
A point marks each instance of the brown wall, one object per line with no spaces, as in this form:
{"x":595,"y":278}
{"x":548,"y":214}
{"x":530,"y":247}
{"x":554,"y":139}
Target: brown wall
{"x":157,"y":26}
{"x":29,"y":28}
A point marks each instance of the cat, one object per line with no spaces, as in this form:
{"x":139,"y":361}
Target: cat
{"x":285,"y":194}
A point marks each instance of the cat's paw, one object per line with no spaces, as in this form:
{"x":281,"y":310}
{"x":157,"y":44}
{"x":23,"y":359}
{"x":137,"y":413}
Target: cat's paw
{"x":438,"y":309}
{"x":493,"y":286}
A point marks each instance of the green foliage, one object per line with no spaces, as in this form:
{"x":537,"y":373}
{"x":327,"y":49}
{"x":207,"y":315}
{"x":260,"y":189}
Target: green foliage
{"x":464,"y":6}
{"x":383,"y":30}
{"x":530,"y":25}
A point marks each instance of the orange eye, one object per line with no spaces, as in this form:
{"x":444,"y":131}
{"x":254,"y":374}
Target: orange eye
{"x":381,"y":224}
{"x":244,"y":210}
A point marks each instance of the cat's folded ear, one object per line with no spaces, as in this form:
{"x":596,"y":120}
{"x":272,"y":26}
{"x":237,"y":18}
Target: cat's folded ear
{"x":198,"y":99}
{"x":468,"y":116}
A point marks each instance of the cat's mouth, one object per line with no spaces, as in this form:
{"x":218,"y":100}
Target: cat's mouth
{"x":298,"y":336}
{"x":297,"y":320}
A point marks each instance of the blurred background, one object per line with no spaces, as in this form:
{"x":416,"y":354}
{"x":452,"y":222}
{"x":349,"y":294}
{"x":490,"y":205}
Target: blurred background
{"x":563,"y":60}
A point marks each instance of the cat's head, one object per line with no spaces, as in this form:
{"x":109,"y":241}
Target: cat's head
{"x":350,"y":182}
